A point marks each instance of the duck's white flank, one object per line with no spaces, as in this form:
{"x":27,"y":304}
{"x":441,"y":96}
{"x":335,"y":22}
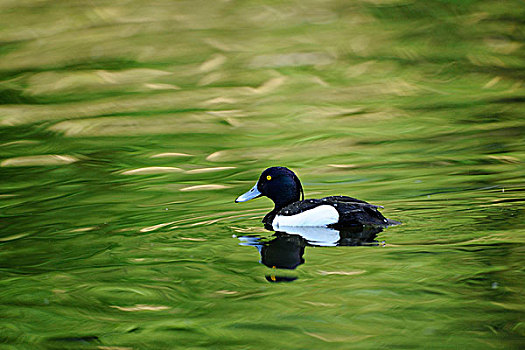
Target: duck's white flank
{"x":322,"y":215}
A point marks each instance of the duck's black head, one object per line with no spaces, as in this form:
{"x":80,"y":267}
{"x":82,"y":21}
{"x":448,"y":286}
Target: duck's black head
{"x":280,"y":184}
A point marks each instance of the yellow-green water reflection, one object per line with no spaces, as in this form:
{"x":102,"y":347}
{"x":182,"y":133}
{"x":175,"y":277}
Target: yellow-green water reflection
{"x":128,"y":128}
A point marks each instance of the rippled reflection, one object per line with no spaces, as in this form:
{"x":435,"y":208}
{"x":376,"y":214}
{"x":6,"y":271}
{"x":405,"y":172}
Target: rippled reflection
{"x":285,"y":249}
{"x":127,"y":127}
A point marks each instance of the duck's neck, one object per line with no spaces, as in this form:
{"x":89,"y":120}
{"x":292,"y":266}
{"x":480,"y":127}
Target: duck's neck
{"x":268,"y":218}
{"x":286,"y":196}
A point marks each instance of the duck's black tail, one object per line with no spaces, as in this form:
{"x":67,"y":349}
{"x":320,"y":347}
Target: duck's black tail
{"x":391,"y":222}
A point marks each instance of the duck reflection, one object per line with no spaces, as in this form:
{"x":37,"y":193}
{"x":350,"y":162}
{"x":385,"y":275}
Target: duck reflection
{"x":284,"y":250}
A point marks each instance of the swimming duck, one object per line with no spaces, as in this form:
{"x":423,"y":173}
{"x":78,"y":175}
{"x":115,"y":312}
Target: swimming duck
{"x":283,"y":187}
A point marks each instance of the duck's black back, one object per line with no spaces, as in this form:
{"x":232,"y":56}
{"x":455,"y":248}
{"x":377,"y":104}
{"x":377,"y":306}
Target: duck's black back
{"x":351,"y":211}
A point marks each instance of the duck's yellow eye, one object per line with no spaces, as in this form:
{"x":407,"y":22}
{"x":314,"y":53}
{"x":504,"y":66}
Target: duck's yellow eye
{"x":268,"y":177}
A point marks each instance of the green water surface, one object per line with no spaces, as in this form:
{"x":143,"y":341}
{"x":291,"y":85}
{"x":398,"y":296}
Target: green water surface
{"x":128,"y":128}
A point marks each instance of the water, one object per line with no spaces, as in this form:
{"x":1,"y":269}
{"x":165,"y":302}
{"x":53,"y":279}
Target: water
{"x":127,"y":130}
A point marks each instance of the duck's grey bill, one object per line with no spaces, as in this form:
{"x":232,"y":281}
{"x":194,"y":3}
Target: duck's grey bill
{"x":251,"y":194}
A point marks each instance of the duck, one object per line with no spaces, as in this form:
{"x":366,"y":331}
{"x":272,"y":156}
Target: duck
{"x":284,"y":188}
